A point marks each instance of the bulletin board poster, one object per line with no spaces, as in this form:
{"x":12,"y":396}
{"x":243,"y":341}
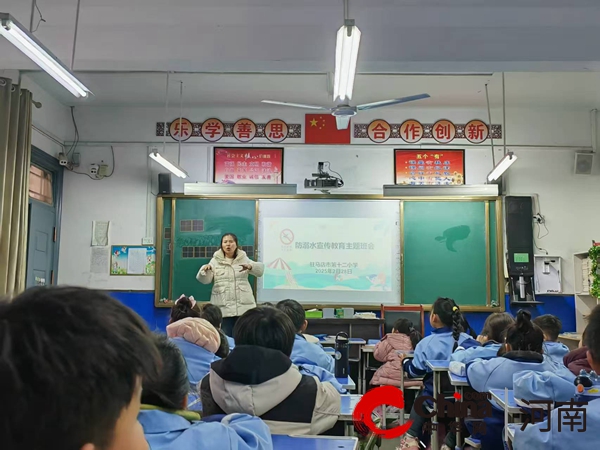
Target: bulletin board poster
{"x":136,"y":260}
{"x":248,"y":165}
{"x":429,"y":167}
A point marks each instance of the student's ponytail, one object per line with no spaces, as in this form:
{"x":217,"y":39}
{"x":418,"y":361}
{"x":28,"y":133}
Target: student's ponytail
{"x":456,"y":325}
{"x":415,"y":336}
{"x":524,"y":335}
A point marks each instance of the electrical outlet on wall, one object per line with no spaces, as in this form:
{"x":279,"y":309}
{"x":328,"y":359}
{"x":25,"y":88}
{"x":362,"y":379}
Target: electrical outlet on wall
{"x":148,"y":241}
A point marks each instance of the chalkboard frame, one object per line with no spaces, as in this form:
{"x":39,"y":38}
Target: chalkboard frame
{"x":467,"y":308}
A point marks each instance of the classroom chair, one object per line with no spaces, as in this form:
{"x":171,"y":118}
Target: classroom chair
{"x":414,"y":313}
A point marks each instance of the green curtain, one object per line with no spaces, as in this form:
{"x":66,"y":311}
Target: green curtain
{"x":15,"y":157}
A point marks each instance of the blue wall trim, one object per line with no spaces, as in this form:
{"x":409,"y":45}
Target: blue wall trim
{"x":561,"y":306}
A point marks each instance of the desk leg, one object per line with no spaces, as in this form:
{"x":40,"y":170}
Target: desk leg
{"x":364,"y":360}
{"x":458,"y":445}
{"x":434,"y":419}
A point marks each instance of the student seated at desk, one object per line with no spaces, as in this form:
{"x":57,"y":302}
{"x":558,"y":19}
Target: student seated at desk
{"x":448,"y":333}
{"x":522,"y":351}
{"x":490,"y":339}
{"x":566,"y":437}
{"x":304,"y":351}
{"x":213,"y":314}
{"x":197,"y":339}
{"x":403,"y":338}
{"x":168,"y":426}
{"x":259,"y":378}
{"x":552,"y":326}
{"x":71,"y":364}
{"x":577,"y":360}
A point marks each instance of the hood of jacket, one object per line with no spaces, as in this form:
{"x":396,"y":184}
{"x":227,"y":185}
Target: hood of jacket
{"x":220,"y":256}
{"x":196,"y":331}
{"x":253,"y":380}
{"x":555,"y":349}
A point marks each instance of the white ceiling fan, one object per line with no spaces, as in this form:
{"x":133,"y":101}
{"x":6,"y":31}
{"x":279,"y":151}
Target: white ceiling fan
{"x":346,"y":55}
{"x":344,"y":112}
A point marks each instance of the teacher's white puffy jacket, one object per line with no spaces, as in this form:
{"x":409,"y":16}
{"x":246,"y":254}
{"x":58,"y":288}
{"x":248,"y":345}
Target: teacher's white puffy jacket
{"x":232,"y":291}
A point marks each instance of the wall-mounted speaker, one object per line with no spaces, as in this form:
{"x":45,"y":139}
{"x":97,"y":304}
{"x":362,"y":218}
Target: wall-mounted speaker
{"x":164,"y":183}
{"x":584,"y":163}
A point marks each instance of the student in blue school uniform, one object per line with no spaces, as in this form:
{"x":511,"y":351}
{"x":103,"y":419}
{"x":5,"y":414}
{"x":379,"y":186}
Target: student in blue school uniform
{"x":168,"y":426}
{"x":490,"y":339}
{"x":552,"y":326}
{"x":304,"y":352}
{"x":213,"y":314}
{"x":566,"y":437}
{"x":72,"y":362}
{"x":522,"y":351}
{"x":447,"y":335}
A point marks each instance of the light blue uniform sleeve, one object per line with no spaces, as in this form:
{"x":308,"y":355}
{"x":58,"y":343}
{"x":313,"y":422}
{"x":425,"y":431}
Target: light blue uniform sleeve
{"x":533,"y":438}
{"x":416,"y":367}
{"x":322,"y":375}
{"x":478,"y":373}
{"x":529,"y":385}
{"x":245,"y":433}
{"x":305,"y":352}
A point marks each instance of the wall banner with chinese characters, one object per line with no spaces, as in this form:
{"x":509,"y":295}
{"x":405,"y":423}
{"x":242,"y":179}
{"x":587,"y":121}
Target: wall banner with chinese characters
{"x":248,"y":165}
{"x":412,"y":131}
{"x":429,"y":167}
{"x":242,"y":130}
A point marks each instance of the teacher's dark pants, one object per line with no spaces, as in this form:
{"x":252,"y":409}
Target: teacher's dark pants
{"x":228,"y":324}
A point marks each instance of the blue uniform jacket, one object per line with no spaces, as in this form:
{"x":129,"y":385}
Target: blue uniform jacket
{"x":532,"y":386}
{"x":488,"y":350}
{"x":498,"y":373}
{"x":437,"y":346}
{"x":305,"y":352}
{"x":231,"y":342}
{"x":322,"y":375}
{"x":198,"y":360}
{"x":556,"y":351}
{"x":168,"y":431}
{"x":567,"y":438}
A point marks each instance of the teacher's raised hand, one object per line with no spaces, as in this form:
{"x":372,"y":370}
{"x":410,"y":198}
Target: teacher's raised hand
{"x":245,"y":267}
{"x":205,"y":268}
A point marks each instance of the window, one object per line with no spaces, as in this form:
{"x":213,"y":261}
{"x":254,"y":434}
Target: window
{"x":207,"y":252}
{"x":191,"y":225}
{"x":187,"y":252}
{"x":40,"y":185}
{"x":167,"y":232}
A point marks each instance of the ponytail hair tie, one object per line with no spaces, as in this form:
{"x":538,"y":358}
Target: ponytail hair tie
{"x":454,"y":308}
{"x":191,"y":298}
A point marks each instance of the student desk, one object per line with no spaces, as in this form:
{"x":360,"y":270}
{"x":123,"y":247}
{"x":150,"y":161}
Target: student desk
{"x":511,"y":406}
{"x":281,"y":442}
{"x":349,"y":402}
{"x":347,"y":383}
{"x":365,"y":352}
{"x":458,"y":382}
{"x":437,"y":367}
{"x":355,"y":348}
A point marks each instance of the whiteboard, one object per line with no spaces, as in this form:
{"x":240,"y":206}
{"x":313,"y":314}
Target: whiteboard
{"x":330,"y":251}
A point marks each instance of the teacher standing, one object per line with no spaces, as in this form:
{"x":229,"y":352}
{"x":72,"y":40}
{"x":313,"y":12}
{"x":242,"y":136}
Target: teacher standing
{"x":229,"y":269}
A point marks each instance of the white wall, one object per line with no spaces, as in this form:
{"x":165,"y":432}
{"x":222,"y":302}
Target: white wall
{"x":122,"y":199}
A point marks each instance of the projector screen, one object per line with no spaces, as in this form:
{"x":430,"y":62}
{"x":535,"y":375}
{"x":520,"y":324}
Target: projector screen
{"x":330,"y":251}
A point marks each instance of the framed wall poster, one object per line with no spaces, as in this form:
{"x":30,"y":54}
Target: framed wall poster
{"x":238,"y":165}
{"x":136,"y":260}
{"x":424,"y":167}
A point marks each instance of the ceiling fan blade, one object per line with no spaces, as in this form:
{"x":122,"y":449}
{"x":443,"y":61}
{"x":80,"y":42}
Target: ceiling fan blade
{"x":296,"y":105}
{"x":394,"y":101}
{"x":342,"y":122}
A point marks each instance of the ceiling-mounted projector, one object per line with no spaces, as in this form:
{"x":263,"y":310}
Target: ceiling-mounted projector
{"x":323,"y":181}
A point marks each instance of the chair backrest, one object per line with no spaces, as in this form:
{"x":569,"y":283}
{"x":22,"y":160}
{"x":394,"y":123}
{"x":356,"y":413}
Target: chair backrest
{"x":392,"y":313}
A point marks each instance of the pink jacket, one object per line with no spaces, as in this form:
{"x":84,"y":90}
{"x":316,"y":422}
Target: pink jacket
{"x":386,"y":351}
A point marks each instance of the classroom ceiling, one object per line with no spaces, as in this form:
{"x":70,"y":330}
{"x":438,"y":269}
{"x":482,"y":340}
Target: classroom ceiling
{"x":299,"y":35}
{"x":565,"y":90}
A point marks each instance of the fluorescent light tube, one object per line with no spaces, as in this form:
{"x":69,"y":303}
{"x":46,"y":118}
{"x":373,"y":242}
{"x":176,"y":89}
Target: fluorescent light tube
{"x":168,"y":165}
{"x":346,"y":55}
{"x":18,"y":35}
{"x":502,"y":166}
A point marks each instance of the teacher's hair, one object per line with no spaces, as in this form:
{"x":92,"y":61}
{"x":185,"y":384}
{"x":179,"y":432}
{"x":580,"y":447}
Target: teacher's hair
{"x":235,"y":239}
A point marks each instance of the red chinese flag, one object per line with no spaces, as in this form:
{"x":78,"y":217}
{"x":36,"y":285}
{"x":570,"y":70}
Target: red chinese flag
{"x":322,"y":129}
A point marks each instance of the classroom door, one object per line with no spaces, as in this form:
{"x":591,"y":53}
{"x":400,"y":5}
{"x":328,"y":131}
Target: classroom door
{"x":41,"y":244}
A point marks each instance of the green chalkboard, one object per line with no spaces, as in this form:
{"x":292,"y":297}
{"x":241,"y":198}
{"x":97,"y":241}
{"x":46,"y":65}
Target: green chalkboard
{"x":447,"y":252}
{"x":196,"y":234}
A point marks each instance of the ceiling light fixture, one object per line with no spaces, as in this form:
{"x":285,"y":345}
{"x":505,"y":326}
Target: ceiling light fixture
{"x":346,"y":56}
{"x":173,"y":168}
{"x":25,"y":41}
{"x":502,"y":166}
